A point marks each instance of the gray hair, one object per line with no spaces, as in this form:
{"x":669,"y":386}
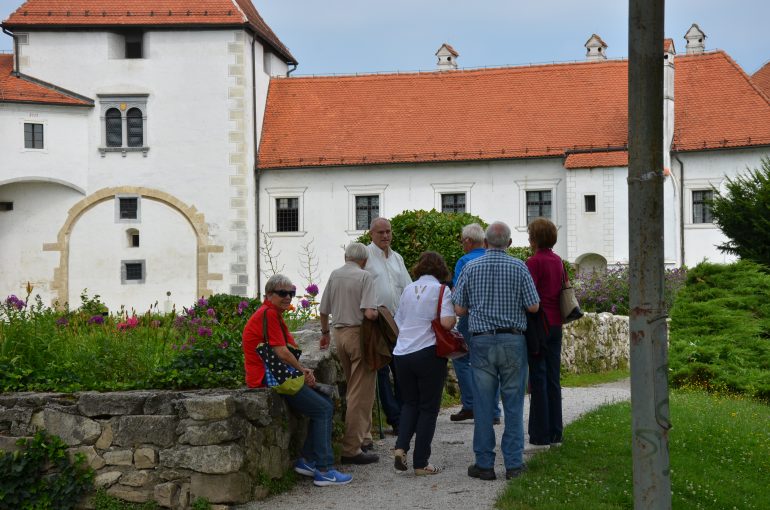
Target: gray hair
{"x":356,"y":252}
{"x":474,"y":232}
{"x":498,"y":235}
{"x":377,"y":220}
{"x":275,"y":281}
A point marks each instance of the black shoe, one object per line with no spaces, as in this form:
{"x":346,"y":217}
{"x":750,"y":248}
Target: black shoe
{"x":483,"y":474}
{"x":366,"y":447}
{"x":512,"y":473}
{"x":361,"y":458}
{"x":461,"y":415}
{"x":496,"y":421}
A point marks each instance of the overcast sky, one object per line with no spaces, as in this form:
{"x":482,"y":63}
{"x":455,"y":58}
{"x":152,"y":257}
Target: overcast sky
{"x":349,"y":36}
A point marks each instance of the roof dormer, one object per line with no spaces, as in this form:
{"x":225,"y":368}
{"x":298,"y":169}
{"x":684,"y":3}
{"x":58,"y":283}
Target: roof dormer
{"x":596,"y":49}
{"x":447,"y":58}
{"x":696,"y":40}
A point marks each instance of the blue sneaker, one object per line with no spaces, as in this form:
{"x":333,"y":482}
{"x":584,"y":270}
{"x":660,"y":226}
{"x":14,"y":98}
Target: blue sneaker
{"x":304,"y":467}
{"x":331,"y":477}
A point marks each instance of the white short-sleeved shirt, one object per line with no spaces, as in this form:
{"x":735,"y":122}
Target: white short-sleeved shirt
{"x":416,"y":310}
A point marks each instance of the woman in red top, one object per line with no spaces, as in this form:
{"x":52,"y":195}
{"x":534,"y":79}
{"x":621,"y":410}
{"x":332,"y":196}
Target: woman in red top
{"x":317,"y":454}
{"x":546,"y":268}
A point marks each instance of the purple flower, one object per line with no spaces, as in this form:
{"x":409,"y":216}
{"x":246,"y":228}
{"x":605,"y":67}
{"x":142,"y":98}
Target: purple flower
{"x":211,"y":312}
{"x":305,"y":303}
{"x":242,"y":306}
{"x":15,"y":302}
{"x":179,"y":321}
{"x":224,"y":345}
{"x":96,"y":319}
{"x":204,"y":331}
{"x":613,"y":309}
{"x":62,"y":321}
{"x":312,"y":289}
{"x":203,"y":302}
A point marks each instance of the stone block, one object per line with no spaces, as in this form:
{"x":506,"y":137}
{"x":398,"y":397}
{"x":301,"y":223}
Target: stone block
{"x":174,"y":474}
{"x":165,"y":494}
{"x":8,"y":444}
{"x":140,"y":478}
{"x":105,"y":439}
{"x":136,"y":430}
{"x":163,"y":403}
{"x":107,"y":479}
{"x":93,"y":459}
{"x":112,"y":404}
{"x":74,"y":430}
{"x":16,"y":421}
{"x":255,"y":406}
{"x":119,"y":458}
{"x":145,"y":458}
{"x":231,"y":488}
{"x":199,"y":433}
{"x":132,"y":494}
{"x":204,"y":459}
{"x":184,"y":495}
{"x":213,"y":407}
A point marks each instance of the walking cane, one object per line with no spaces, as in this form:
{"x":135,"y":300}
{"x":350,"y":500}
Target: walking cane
{"x":379,"y":414}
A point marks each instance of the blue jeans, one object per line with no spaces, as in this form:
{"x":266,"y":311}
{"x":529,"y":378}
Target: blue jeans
{"x":464,"y":375}
{"x":390,"y":400}
{"x":421,"y":378}
{"x":319,"y":409}
{"x":545,"y":415}
{"x":499,"y":359}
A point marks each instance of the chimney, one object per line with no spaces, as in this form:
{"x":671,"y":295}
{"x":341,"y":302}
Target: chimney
{"x":447,"y":58}
{"x":696,"y":40}
{"x":596,"y":49}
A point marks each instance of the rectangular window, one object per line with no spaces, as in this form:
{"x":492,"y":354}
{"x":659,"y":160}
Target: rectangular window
{"x":33,"y":136}
{"x":134,"y":240}
{"x":701,"y":206}
{"x":132,"y":271}
{"x":367,"y":208}
{"x":590,"y":203}
{"x":538,"y":205}
{"x":453,"y":202}
{"x":129,"y":208}
{"x":287,"y":214}
{"x":134,"y":45}
{"x":6,"y":206}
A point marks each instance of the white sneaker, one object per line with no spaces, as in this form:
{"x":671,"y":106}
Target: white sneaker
{"x":534,"y":448}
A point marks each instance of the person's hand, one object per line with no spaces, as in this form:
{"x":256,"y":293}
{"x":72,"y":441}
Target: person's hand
{"x":324,"y":342}
{"x":309,"y":377}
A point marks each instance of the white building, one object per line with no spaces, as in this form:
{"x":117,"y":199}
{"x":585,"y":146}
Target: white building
{"x":146,"y":150}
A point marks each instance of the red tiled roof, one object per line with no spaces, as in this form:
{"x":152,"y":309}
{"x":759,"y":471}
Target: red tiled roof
{"x":22,"y":89}
{"x":762,"y":78}
{"x":717,"y":105}
{"x":124,"y":13}
{"x":517,"y":112}
{"x":596,"y":159}
{"x":537,"y":111}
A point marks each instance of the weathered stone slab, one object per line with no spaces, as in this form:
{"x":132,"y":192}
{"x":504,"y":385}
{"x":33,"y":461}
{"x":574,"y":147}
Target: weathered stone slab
{"x":167,"y":402}
{"x":165,"y":494}
{"x":232,"y":488}
{"x":145,"y":458}
{"x":93,"y":459}
{"x":112,"y":404}
{"x":214,"y":407}
{"x":8,"y":444}
{"x":204,"y":459}
{"x":119,"y":457}
{"x":36,"y":400}
{"x":199,"y":433}
{"x":131,"y":494}
{"x":105,"y":439}
{"x":74,"y":430}
{"x":255,"y":406}
{"x":139,"y":478}
{"x":137,"y":430}
{"x":16,"y":421}
{"x":107,"y":478}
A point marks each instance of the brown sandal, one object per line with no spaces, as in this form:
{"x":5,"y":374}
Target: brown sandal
{"x":430,"y":469}
{"x":400,"y":462}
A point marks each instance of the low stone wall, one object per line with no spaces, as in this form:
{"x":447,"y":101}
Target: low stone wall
{"x":596,"y":343}
{"x":172,"y":446}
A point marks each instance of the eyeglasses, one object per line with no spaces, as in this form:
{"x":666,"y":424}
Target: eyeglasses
{"x":284,"y":293}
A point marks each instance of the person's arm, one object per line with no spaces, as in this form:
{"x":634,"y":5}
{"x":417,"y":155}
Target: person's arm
{"x":325,"y":332}
{"x":371,"y":313}
{"x":369,"y":298}
{"x":448,"y":318}
{"x":533,"y":308}
{"x":287,"y":357}
{"x":276,"y":339}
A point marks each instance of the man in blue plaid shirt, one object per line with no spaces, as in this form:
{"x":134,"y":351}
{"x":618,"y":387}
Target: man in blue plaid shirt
{"x":494,"y":290}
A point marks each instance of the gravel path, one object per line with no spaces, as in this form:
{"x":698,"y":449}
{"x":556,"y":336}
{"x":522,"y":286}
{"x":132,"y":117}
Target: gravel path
{"x":378,"y":486}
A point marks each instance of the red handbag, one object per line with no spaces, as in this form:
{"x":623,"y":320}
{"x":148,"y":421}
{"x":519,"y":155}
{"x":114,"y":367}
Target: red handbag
{"x":449,"y":343}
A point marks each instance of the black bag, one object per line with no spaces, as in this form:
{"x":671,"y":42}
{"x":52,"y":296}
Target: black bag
{"x":537,"y":332}
{"x":285,"y":379}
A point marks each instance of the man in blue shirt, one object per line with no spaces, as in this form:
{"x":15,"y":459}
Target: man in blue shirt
{"x":495,"y":290}
{"x":472,"y":239}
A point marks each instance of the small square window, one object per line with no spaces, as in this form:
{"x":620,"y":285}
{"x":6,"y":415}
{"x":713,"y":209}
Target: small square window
{"x":33,"y":136}
{"x":453,"y":202}
{"x":287,"y":214}
{"x":367,"y":208}
{"x":134,"y":45}
{"x":701,"y":206}
{"x":135,"y":240}
{"x":590,"y":203}
{"x":538,"y":205}
{"x":6,"y":206}
{"x":132,"y":271}
{"x":129,"y":208}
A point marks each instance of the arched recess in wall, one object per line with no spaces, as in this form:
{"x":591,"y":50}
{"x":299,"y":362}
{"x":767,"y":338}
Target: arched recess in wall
{"x":60,"y":286}
{"x":591,"y":263}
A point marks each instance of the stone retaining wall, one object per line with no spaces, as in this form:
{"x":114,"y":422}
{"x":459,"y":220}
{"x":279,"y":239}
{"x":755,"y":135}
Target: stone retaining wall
{"x":596,"y":343}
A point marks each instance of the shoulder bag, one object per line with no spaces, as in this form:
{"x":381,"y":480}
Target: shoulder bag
{"x":284,"y":378}
{"x":568,"y":303}
{"x":449,"y":343}
{"x":537,"y":332}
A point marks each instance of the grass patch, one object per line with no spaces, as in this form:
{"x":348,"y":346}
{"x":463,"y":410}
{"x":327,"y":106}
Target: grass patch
{"x":719,"y":450}
{"x":570,"y":380}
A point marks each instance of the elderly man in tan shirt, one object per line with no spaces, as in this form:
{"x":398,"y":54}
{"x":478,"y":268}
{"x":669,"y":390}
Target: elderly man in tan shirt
{"x":349,"y":296}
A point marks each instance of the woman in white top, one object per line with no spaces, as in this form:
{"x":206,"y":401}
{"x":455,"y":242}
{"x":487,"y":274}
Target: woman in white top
{"x":420,"y":373}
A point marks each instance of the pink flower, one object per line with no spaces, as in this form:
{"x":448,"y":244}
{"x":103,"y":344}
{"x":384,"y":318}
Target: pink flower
{"x":305,"y":303}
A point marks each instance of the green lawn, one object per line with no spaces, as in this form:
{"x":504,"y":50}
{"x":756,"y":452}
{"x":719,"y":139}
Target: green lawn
{"x":719,"y":448}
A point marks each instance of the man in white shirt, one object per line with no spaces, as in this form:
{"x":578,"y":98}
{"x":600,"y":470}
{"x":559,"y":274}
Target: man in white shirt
{"x":390,"y":279}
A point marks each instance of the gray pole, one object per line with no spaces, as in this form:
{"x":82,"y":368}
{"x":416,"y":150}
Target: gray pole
{"x":648,"y":333}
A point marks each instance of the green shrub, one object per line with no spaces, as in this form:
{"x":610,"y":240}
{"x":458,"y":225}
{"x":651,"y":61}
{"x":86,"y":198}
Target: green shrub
{"x":417,"y":231}
{"x":41,"y":476}
{"x":720,"y":330}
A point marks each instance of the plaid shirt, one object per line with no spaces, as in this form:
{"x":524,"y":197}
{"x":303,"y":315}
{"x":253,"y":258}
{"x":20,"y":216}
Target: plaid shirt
{"x":495,"y":288}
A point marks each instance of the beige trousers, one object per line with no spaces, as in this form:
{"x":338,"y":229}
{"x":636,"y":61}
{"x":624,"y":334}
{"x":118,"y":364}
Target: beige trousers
{"x":360,"y":393}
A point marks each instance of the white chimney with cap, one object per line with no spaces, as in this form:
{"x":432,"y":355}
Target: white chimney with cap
{"x":596,"y":49}
{"x":447,"y":58}
{"x":696,"y":40}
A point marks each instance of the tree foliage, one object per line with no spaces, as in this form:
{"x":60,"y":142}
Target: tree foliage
{"x":743,"y":214}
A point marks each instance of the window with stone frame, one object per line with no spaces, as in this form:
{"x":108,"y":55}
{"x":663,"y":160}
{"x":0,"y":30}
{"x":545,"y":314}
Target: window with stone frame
{"x":33,"y":135}
{"x":538,"y":204}
{"x":367,"y":208}
{"x":701,"y":206}
{"x":453,"y":202}
{"x":124,"y":123}
{"x":287,"y":214}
